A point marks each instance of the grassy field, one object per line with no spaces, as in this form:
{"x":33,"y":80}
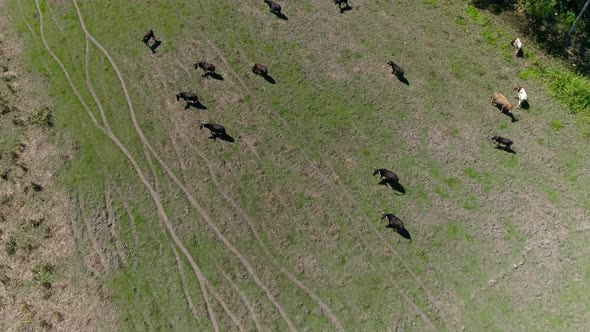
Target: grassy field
{"x":281,"y":229}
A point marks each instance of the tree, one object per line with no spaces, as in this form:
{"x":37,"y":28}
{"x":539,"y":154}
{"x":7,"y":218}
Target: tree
{"x":569,"y":33}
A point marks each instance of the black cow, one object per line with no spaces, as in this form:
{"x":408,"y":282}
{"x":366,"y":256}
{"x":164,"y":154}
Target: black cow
{"x":501,"y":140}
{"x":189,"y":97}
{"x":346,"y":5}
{"x":259,"y":69}
{"x":148,"y":35}
{"x":217,"y":130}
{"x":396,"y":224}
{"x":274,"y":7}
{"x":386,"y":174}
{"x":208,"y":68}
{"x":396,"y":70}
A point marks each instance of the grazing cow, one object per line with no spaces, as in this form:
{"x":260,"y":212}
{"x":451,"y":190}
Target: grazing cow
{"x":340,"y":2}
{"x":189,"y":97}
{"x":522,"y":96}
{"x":148,"y":35}
{"x":274,"y":7}
{"x":386,"y":174}
{"x":396,"y":70}
{"x":517,"y":44}
{"x":501,"y":140}
{"x":500,"y":99}
{"x":396,"y":224}
{"x":216,"y":130}
{"x":208,"y":68}
{"x":259,"y":69}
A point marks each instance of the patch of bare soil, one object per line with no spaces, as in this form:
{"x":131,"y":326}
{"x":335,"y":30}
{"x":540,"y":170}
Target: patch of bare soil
{"x":42,"y":286}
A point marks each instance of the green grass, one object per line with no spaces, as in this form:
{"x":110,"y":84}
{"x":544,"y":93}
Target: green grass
{"x":308,"y":187}
{"x":556,"y":124}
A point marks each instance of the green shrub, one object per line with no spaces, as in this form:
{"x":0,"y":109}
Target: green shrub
{"x":42,"y":118}
{"x":43,"y":274}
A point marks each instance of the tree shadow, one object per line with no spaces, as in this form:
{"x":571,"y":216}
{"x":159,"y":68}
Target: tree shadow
{"x":223,"y":137}
{"x":155,"y":46}
{"x":196,"y":105}
{"x":395,"y":185}
{"x":269,"y":79}
{"x":403,"y":232}
{"x":494,"y":6}
{"x":505,"y":149}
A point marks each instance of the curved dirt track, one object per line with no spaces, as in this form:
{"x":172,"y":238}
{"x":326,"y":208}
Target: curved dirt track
{"x":193,"y":202}
{"x":153,"y":194}
{"x":204,"y":283}
{"x":324,"y":307}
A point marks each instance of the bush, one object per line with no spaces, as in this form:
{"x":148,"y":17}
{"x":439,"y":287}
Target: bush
{"x":42,"y":118}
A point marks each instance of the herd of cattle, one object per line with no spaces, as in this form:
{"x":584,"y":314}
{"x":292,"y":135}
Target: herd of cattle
{"x":387,"y":177}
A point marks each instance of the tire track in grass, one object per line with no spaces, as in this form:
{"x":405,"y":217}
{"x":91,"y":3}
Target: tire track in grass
{"x":206,"y":286}
{"x":178,"y":262}
{"x":184,"y":284}
{"x":104,"y":262}
{"x":130,"y":217}
{"x":113,"y":223}
{"x":334,"y":174}
{"x":182,"y":163}
{"x":248,"y":220}
{"x":309,"y":160}
{"x":190,"y":198}
{"x":244,"y":298}
{"x":323,"y":306}
{"x":159,"y":207}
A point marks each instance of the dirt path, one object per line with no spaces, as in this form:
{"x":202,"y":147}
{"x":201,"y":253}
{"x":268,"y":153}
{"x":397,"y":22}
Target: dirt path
{"x":184,"y":285}
{"x":200,"y":276}
{"x":153,"y":194}
{"x":244,"y":298}
{"x":190,"y":198}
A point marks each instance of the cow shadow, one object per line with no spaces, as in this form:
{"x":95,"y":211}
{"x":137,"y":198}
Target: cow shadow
{"x":345,"y":9}
{"x":505,"y":149}
{"x":155,"y":46}
{"x":214,"y":76}
{"x":395,"y":185}
{"x":520,"y":54}
{"x":525,"y":105}
{"x":403,"y":79}
{"x":281,"y":16}
{"x":196,"y":105}
{"x":223,"y":137}
{"x":404,"y":232}
{"x":510,"y":115}
{"x":269,"y":79}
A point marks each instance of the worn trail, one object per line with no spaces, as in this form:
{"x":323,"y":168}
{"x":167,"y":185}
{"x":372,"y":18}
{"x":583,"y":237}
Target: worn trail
{"x":189,"y":196}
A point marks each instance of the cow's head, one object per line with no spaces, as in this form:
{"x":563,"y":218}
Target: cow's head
{"x":375,"y":171}
{"x":383,"y":215}
{"x":178,"y":97}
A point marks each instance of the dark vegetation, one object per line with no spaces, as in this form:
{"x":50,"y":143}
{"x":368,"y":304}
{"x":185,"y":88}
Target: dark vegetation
{"x":550,"y":22}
